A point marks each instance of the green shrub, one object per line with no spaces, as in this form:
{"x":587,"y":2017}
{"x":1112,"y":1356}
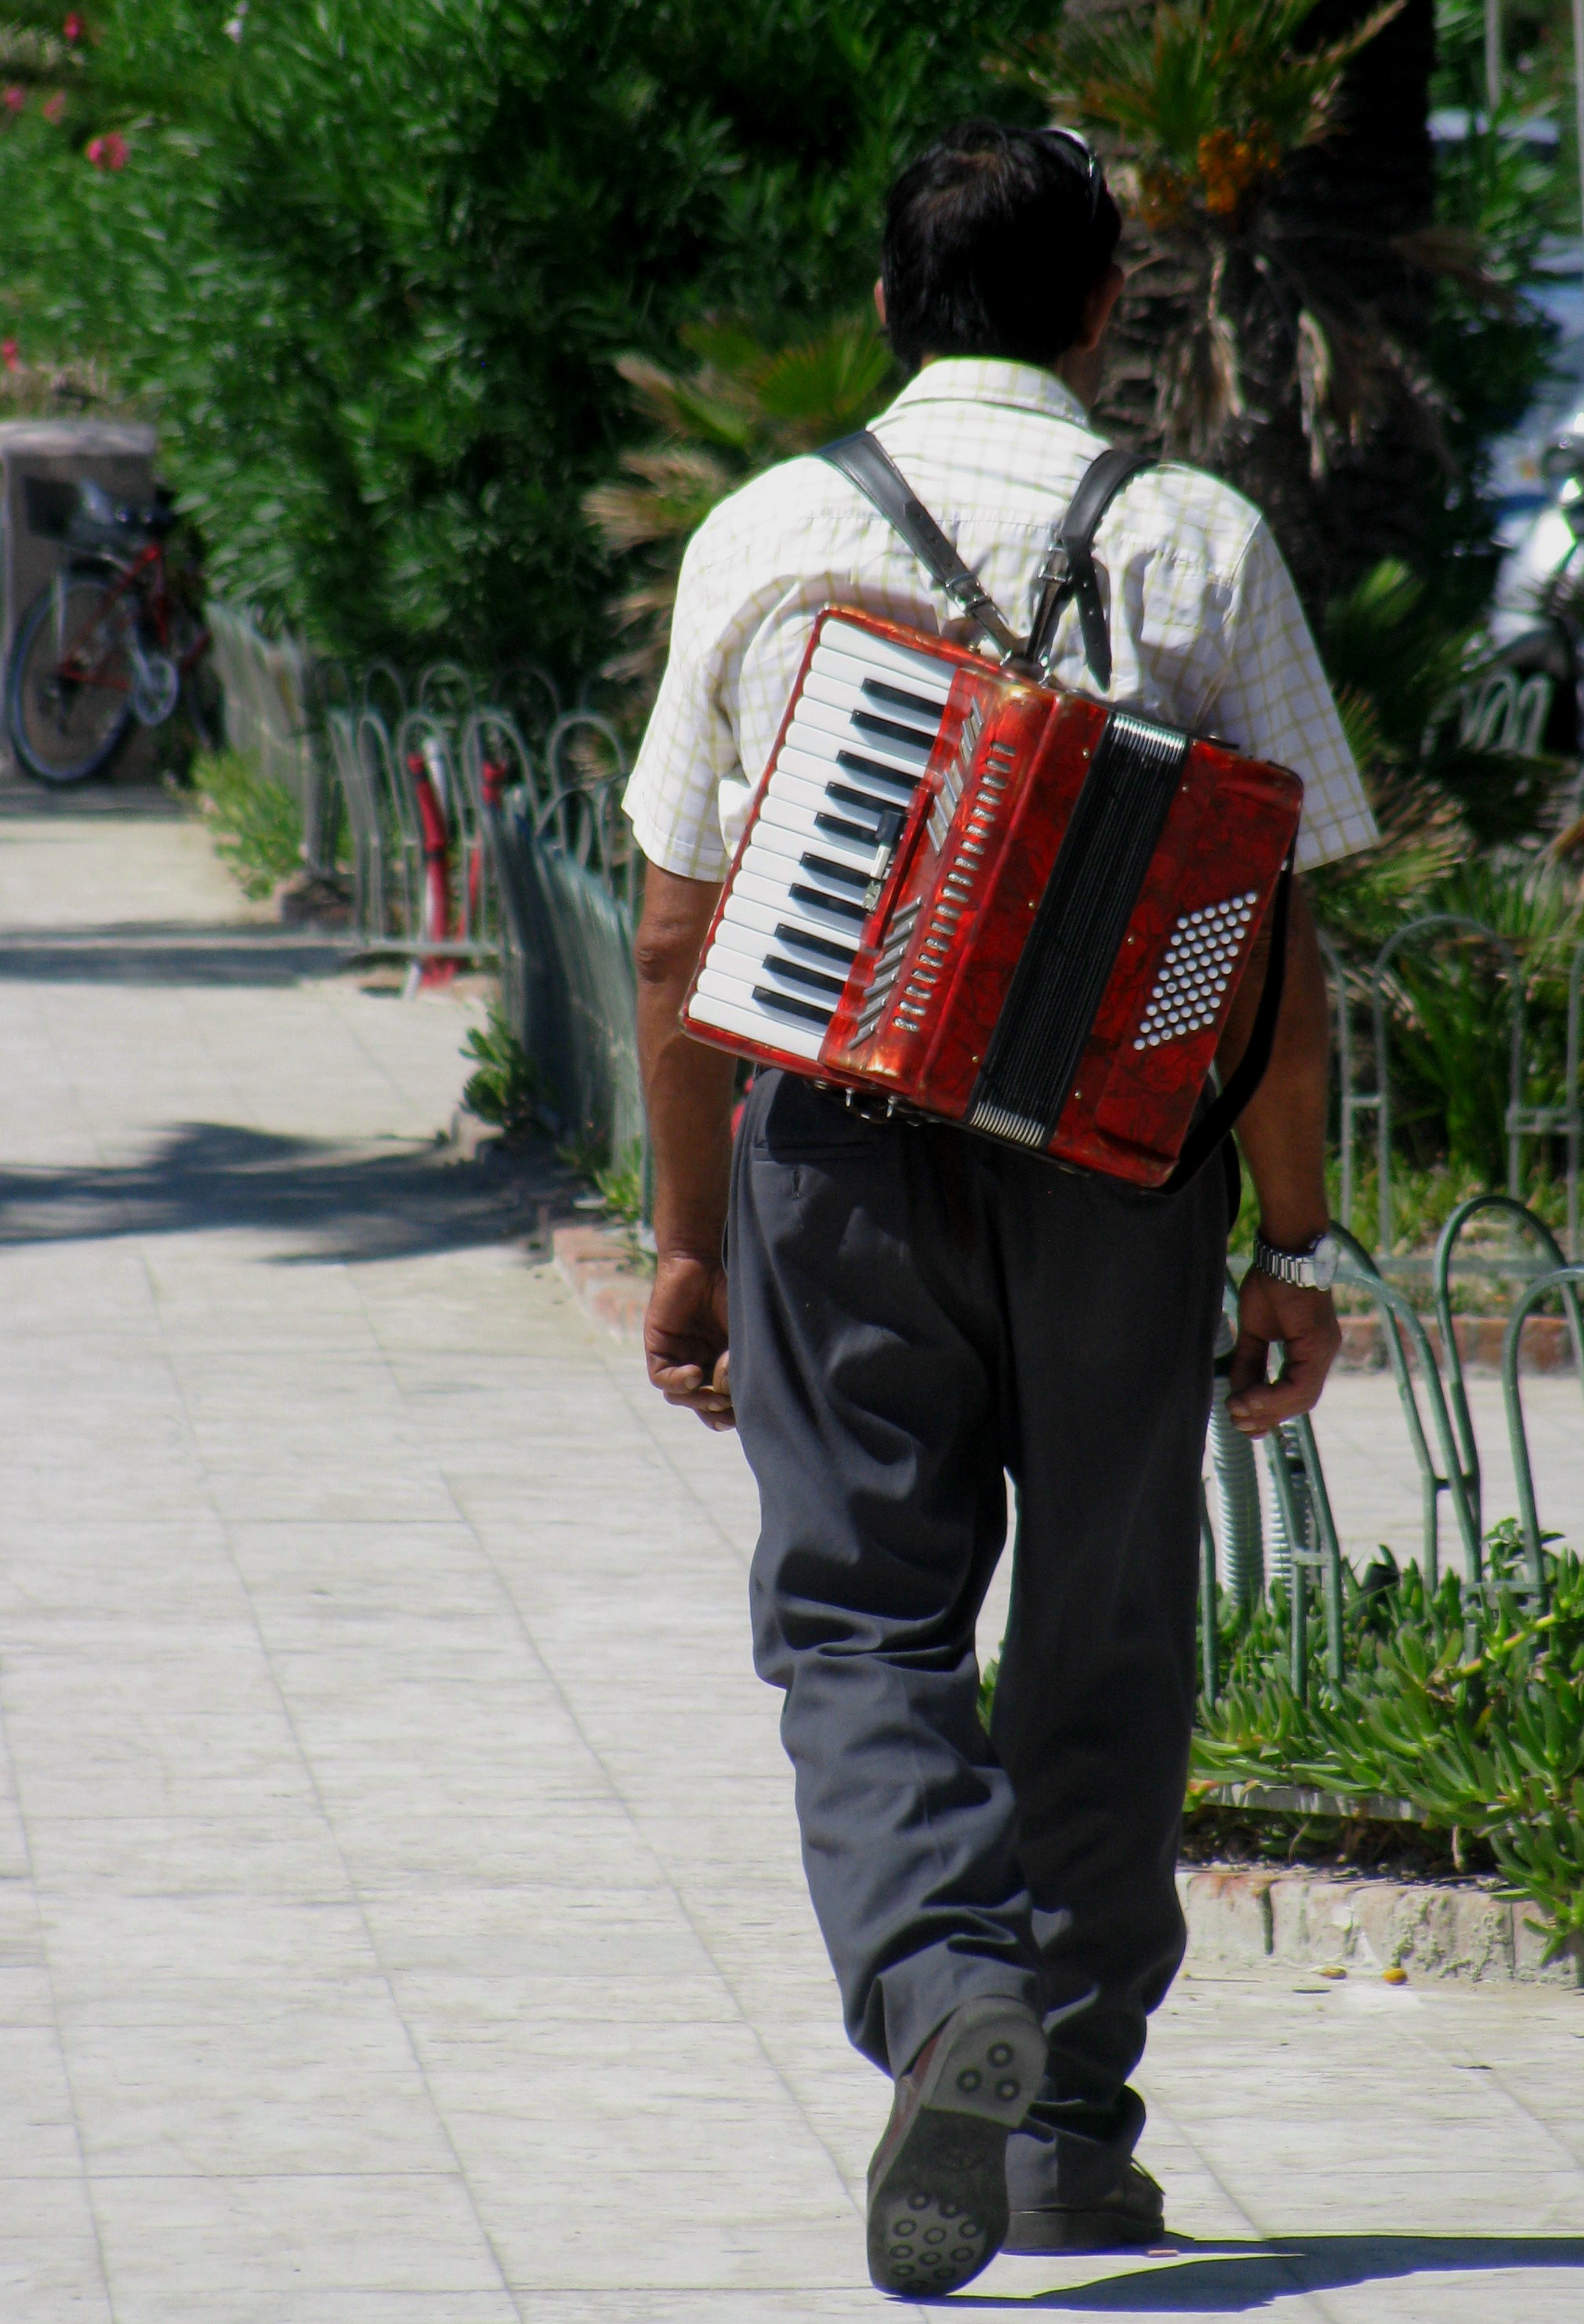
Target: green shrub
{"x":373,"y":266}
{"x":503,"y":1088}
{"x":256,"y":823}
{"x":621,"y":1183}
{"x":1469,"y":1710}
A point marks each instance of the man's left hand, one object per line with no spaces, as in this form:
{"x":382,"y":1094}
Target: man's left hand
{"x":1305,"y":1322}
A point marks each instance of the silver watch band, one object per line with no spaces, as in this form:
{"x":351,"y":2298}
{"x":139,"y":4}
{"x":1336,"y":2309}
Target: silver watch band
{"x":1306,"y":1270}
{"x":1286,"y":1266}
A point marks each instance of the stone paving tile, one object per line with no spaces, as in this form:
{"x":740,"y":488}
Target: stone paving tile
{"x":185,"y":2238}
{"x":400,"y":1918}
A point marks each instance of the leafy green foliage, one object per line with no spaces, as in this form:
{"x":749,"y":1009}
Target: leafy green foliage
{"x":1469,"y":1709}
{"x":256,"y":823}
{"x":621,"y":1184}
{"x":372,"y":267}
{"x":745,"y":406}
{"x":44,"y":53}
{"x":1459,"y":821}
{"x":503,"y":1089}
{"x":987,"y":1678}
{"x":1212,"y":94}
{"x":1451,"y":1001}
{"x":1466,"y":1708}
{"x":1402,"y":665}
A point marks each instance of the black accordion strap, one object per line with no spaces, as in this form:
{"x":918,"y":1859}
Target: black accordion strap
{"x":864,"y":461}
{"x":1069,"y":569}
{"x":1216,"y":1122}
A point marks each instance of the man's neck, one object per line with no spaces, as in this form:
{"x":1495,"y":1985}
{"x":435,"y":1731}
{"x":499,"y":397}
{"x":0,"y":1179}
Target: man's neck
{"x":1078,"y":371}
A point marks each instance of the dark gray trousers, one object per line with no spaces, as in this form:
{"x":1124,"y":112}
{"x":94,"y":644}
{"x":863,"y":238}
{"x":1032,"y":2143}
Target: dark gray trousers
{"x":915,"y":1313}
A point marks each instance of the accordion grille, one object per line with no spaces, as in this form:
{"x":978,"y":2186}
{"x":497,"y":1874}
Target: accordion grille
{"x":1067,"y":963}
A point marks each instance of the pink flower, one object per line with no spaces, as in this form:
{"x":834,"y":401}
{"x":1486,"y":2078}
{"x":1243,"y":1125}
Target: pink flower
{"x":73,"y":28}
{"x":13,"y":99}
{"x":108,"y":152}
{"x":53,"y":106}
{"x":10,"y":354}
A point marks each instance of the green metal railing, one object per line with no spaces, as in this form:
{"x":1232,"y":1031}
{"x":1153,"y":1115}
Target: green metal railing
{"x":1307,"y":1556}
{"x":568,"y":874}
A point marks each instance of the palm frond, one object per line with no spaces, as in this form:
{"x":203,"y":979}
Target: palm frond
{"x":708,"y":407}
{"x":1213,"y":93}
{"x":744,"y":406}
{"x":676,"y":488}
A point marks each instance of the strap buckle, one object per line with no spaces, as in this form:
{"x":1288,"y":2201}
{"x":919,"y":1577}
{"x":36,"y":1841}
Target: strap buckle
{"x":1068,"y":569}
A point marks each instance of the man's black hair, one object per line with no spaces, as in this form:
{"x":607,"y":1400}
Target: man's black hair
{"x":993,"y":240}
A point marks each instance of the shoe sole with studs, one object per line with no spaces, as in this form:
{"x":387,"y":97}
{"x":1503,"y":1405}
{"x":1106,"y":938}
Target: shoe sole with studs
{"x":937,"y":2208}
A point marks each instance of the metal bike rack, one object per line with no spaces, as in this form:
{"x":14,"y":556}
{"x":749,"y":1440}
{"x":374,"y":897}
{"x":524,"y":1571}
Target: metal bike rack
{"x":1303,"y":1507}
{"x":1325,"y":1558}
{"x":383,"y":679}
{"x":452,"y":887}
{"x":1452,"y":1355}
{"x":503,"y":778}
{"x":1568,"y":1119}
{"x":1565,"y":1280}
{"x":1379,"y":1018}
{"x":360,"y":744}
{"x":1361,"y":1271}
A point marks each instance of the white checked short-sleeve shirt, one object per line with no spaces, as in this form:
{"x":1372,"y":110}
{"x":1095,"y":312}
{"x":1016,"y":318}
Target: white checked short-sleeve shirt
{"x":1207,"y":631}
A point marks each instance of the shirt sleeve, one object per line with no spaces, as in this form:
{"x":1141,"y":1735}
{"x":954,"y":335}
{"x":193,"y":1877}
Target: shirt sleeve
{"x":1274,"y":703}
{"x":690,"y":747}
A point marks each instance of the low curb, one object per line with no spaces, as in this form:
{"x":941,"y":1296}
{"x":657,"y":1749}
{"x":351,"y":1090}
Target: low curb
{"x":606,"y":1275}
{"x":1245,"y":1917}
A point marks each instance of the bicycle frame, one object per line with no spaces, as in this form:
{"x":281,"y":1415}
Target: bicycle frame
{"x":141,"y":579}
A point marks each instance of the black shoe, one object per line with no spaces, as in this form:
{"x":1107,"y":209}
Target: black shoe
{"x":1133,"y":2213}
{"x":938,"y":2181}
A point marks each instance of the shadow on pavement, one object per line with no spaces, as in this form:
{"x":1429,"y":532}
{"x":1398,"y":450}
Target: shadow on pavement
{"x":1228,"y":2279}
{"x":183,"y":953}
{"x":344,"y":1203}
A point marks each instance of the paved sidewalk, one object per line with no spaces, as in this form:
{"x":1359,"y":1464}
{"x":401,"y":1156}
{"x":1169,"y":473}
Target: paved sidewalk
{"x":400,"y":1920}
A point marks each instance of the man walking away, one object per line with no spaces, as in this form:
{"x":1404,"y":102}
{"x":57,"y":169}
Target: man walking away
{"x":915,"y":1313}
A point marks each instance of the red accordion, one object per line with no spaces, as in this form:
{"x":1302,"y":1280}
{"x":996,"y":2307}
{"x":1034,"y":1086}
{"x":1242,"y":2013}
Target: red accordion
{"x":988,"y":901}
{"x":975,"y":897}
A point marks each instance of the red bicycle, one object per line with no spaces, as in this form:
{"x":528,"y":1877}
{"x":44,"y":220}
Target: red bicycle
{"x":106,"y":645}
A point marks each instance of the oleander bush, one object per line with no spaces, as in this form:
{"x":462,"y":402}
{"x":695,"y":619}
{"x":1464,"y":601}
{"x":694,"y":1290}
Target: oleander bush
{"x":372,"y":267}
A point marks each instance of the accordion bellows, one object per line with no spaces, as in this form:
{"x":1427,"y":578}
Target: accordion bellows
{"x":982,"y":899}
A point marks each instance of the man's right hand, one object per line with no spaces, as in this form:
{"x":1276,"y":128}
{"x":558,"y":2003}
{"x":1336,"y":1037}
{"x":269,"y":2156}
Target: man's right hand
{"x":684,"y":1337}
{"x":687,"y":1090}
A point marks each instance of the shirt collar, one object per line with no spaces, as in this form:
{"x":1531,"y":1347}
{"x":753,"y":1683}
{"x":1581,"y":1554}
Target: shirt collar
{"x":985,"y":379}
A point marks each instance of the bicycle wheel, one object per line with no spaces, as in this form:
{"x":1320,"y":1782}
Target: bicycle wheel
{"x":68,"y":692}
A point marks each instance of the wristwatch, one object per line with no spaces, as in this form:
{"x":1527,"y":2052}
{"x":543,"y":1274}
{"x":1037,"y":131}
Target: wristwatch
{"x":1312,"y":1268}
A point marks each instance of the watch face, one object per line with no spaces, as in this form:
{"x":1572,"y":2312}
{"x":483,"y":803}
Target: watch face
{"x":1324,"y":1259}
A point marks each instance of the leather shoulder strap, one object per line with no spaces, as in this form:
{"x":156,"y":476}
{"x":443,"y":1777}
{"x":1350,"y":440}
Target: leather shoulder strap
{"x":864,"y":462}
{"x":1069,"y":569}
